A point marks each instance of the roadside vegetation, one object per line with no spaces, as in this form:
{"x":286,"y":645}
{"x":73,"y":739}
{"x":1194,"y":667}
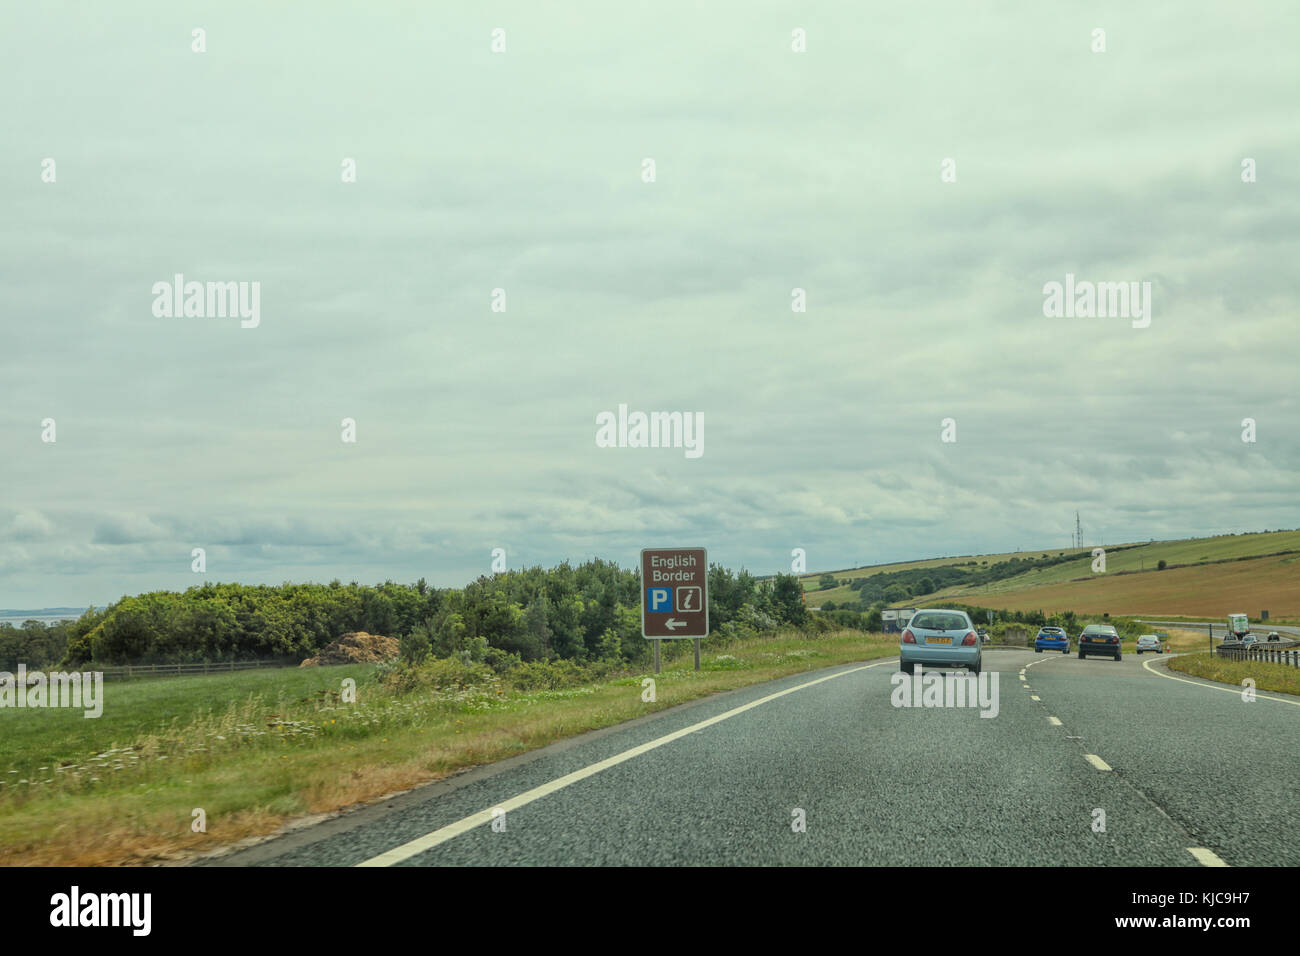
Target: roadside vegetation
{"x":1267,"y":675}
{"x":254,"y":750}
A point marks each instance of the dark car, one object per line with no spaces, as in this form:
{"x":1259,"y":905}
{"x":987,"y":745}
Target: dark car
{"x":1099,"y":639}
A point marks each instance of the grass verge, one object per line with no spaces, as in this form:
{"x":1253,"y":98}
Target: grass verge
{"x":253,"y":751}
{"x":1267,"y":675}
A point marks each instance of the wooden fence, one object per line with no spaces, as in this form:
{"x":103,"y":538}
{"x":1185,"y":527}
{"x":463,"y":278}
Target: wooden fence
{"x":130,"y":671}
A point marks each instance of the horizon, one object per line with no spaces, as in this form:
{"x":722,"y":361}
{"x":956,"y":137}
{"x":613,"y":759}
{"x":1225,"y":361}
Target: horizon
{"x":633,"y":566}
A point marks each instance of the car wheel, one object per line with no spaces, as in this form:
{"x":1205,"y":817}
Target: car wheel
{"x":1116,"y":657}
{"x":1065,"y":651}
{"x":905,"y":668}
{"x":1080,"y":654}
{"x":1038,"y":650}
{"x":1139,"y":653}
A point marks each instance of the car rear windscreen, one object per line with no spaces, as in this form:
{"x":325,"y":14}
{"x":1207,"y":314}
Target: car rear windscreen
{"x":939,"y":622}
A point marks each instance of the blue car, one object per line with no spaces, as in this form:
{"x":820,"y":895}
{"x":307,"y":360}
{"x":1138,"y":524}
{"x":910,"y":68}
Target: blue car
{"x":1052,"y":639}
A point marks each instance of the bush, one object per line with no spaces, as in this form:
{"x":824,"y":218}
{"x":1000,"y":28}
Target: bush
{"x":556,"y":675}
{"x":444,"y":673}
{"x":415,"y":647}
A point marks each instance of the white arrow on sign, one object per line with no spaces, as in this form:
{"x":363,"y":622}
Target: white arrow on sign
{"x":672,"y":623}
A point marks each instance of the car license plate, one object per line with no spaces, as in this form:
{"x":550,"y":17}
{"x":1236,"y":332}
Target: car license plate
{"x":938,"y":640}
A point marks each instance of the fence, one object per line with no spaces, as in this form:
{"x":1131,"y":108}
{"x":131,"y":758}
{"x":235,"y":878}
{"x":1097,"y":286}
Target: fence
{"x":130,"y":671}
{"x":1273,"y":655}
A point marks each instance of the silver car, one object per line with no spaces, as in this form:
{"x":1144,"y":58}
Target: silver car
{"x":1150,"y":642}
{"x":939,"y":638}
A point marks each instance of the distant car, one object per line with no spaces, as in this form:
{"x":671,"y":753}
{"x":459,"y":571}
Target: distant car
{"x":1150,"y":642}
{"x":1248,"y":640}
{"x":1052,"y":639}
{"x":1099,"y":639}
{"x":982,"y":634}
{"x":1274,"y":636}
{"x":939,"y":638}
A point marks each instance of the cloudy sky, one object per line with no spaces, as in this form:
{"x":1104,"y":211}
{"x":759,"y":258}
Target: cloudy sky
{"x":523,"y":170}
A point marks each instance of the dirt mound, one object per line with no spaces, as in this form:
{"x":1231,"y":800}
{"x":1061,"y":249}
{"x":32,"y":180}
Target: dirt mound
{"x":355,"y":647}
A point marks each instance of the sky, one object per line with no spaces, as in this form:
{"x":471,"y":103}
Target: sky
{"x":920,"y":171}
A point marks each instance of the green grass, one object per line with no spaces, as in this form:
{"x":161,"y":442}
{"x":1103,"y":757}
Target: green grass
{"x":51,"y":736}
{"x":254,"y":750}
{"x":1267,"y":676}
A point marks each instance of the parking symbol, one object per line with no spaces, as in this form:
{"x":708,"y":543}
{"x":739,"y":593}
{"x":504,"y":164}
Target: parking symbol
{"x":659,"y":600}
{"x":688,"y":599}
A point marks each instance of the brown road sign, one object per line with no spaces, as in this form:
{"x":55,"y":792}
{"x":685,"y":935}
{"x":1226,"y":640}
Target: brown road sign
{"x":674,"y":593}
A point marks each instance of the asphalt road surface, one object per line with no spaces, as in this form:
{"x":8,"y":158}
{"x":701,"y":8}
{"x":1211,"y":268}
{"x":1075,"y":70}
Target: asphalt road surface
{"x":1186,"y":773}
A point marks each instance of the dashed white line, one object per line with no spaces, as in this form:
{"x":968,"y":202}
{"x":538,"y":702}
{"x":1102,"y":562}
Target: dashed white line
{"x":1054,"y":721}
{"x":1097,"y":762}
{"x":1206,"y":857}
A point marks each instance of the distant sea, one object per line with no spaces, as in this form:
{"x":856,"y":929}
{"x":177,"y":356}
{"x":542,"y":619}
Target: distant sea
{"x":46,"y":615}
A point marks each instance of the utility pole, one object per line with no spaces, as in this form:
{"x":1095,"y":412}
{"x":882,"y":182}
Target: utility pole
{"x":1078,"y":531}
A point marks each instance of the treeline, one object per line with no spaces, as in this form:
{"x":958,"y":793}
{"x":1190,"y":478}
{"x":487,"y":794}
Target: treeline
{"x":585,"y":613}
{"x":36,"y":644}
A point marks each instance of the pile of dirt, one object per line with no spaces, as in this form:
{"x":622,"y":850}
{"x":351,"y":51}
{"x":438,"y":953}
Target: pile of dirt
{"x":355,"y":647}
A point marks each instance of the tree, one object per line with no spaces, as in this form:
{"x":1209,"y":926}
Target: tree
{"x":787,"y":600}
{"x":416,"y":646}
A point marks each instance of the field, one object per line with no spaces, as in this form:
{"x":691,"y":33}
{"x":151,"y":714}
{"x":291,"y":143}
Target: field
{"x":1209,"y":590}
{"x":1137,"y":556}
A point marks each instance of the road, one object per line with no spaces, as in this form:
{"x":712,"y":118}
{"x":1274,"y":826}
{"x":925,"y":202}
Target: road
{"x":1196,"y":776}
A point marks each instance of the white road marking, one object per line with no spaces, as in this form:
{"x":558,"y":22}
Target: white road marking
{"x":1226,"y":690}
{"x":1097,"y":762}
{"x":452,"y":830}
{"x":1205,"y":857}
{"x":1034,"y":697}
{"x":1054,"y":721}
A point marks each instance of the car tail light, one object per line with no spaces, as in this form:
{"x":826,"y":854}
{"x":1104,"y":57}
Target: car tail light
{"x":1114,"y":640}
{"x":969,"y":639}
{"x":909,"y":637}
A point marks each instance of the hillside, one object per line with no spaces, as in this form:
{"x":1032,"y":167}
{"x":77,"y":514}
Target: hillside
{"x":1259,"y":569}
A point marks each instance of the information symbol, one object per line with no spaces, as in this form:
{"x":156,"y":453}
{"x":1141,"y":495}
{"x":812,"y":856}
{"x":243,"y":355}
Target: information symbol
{"x":688,"y":599}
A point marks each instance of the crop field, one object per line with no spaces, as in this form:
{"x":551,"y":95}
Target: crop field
{"x":1212,"y":590}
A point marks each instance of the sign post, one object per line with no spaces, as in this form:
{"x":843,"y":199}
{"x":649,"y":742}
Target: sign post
{"x":674,"y":596}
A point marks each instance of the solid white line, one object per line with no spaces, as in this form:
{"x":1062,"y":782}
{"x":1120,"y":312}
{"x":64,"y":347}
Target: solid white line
{"x":1205,"y":857}
{"x":1054,"y":721}
{"x":1226,"y":690}
{"x":1097,"y":762}
{"x":452,"y":830}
